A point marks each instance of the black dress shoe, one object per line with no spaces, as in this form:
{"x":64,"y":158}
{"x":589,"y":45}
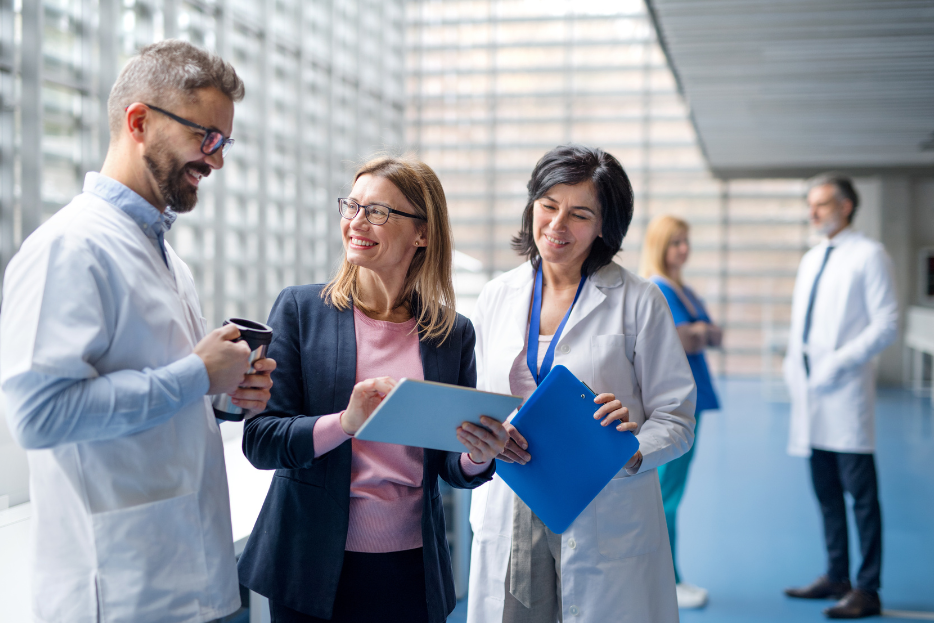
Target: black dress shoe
{"x":821,"y":588}
{"x":856,"y":604}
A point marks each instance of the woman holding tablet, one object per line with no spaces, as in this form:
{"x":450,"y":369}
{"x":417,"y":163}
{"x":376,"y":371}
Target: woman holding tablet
{"x":353,"y":531}
{"x":665,"y":251}
{"x":613,"y":330}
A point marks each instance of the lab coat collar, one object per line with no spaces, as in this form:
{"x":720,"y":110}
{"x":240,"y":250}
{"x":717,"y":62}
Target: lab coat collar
{"x":841,"y":238}
{"x":592,"y":296}
{"x":610,"y":276}
{"x":521,"y":281}
{"x":149,"y":219}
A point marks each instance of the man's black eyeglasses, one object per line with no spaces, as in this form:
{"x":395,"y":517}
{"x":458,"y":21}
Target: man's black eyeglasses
{"x":377,"y":214}
{"x":213,"y":139}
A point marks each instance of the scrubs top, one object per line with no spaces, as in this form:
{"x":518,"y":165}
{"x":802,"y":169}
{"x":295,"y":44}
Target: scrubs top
{"x":706,"y":397}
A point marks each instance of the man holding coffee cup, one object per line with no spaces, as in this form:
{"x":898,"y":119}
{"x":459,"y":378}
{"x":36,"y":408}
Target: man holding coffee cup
{"x":107,"y":366}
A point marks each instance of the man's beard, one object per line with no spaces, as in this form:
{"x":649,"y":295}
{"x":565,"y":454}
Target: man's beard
{"x":177,"y":192}
{"x":829,"y":226}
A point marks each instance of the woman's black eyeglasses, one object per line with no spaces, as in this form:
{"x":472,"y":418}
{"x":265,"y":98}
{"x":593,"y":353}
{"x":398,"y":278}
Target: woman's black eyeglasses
{"x":377,"y":214}
{"x":213,"y":139}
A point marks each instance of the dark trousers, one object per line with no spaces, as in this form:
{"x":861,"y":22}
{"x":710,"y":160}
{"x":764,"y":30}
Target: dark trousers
{"x":833,"y":473}
{"x":389,"y":588}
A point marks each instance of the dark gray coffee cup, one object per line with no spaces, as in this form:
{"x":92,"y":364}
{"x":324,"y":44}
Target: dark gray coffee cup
{"x":258,"y":337}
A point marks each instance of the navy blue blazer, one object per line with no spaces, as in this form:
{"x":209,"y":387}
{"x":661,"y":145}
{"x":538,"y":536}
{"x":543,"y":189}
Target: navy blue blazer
{"x":296,"y":550}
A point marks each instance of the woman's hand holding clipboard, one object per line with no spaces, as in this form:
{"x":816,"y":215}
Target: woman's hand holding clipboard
{"x":575,"y":457}
{"x":516,"y":450}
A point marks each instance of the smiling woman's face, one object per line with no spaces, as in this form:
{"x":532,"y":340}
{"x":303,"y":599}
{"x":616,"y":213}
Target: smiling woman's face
{"x":565,"y":222}
{"x":386,"y":248}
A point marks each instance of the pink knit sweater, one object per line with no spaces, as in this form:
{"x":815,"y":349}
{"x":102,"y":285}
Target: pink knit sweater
{"x":385,"y":479}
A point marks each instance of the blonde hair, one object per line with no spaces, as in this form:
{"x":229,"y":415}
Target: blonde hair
{"x":658,"y":235}
{"x":428,"y":290}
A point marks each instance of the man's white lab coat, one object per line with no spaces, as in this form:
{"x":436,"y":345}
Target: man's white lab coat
{"x":134,"y":528}
{"x":855,"y":317}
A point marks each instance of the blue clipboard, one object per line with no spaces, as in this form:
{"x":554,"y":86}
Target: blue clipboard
{"x":573,"y":457}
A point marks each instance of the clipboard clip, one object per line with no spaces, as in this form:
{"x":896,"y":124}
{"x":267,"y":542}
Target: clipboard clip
{"x":588,"y":387}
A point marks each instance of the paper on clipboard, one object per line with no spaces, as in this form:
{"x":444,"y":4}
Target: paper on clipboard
{"x":425,"y":414}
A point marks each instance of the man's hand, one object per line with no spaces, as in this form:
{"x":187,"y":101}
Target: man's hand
{"x":226,"y":361}
{"x":253,"y":393}
{"x":825,"y":375}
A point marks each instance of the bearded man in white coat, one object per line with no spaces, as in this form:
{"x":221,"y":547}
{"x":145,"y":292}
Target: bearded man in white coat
{"x":107,"y":367}
{"x":844,"y":313}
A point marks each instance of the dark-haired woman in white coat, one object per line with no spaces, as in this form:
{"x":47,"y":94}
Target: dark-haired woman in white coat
{"x":614,"y":562}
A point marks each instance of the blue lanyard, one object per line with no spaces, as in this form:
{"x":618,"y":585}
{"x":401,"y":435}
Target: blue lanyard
{"x":531,"y":357}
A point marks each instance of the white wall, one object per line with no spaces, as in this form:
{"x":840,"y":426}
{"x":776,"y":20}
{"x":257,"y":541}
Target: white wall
{"x":922,"y":228}
{"x":898,"y":210}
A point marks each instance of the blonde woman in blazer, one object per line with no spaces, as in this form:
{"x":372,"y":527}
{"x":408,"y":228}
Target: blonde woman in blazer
{"x":614,"y":562}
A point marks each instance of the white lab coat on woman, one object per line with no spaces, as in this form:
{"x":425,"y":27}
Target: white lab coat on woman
{"x":135,"y":528}
{"x":615,"y":557}
{"x":855,"y":317}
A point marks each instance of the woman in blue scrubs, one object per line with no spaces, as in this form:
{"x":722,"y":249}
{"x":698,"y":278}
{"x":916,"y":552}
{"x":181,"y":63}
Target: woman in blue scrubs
{"x":665,"y":251}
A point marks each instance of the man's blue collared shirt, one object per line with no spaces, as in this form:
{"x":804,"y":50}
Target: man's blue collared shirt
{"x":153,"y":223}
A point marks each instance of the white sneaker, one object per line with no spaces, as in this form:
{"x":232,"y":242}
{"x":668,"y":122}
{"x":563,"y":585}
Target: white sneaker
{"x":690,"y":596}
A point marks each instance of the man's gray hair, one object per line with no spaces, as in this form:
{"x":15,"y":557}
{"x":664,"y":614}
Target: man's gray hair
{"x":164,"y":73}
{"x":843,"y":188}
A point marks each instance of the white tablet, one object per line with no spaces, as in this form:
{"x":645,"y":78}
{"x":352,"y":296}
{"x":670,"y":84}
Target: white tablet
{"x":424,"y":414}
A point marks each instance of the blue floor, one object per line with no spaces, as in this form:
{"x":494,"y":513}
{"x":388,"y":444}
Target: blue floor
{"x":750,"y":524}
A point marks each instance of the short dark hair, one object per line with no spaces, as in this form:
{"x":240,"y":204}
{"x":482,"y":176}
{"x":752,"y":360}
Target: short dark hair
{"x":573,"y":164}
{"x":843,"y":187}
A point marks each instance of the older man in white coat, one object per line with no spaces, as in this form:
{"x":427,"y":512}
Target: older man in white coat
{"x":844,"y":313}
{"x":106,"y":367}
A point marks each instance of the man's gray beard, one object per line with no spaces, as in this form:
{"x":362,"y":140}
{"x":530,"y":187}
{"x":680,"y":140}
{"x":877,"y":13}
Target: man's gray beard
{"x":170,"y":177}
{"x":829,"y":227}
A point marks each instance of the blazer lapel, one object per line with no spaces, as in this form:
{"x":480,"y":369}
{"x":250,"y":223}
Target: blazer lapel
{"x":431,"y":364}
{"x":345,"y":369}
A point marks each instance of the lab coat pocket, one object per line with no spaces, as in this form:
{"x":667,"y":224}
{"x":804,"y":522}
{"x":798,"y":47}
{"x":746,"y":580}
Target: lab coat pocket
{"x":628,"y":521}
{"x":612,"y":364}
{"x":151,"y":560}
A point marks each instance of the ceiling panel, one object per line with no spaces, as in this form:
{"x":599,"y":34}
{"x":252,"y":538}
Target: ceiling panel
{"x":791,"y":87}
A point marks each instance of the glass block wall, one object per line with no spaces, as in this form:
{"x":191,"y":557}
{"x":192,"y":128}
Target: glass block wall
{"x":317,"y":102}
{"x":480,"y":88}
{"x":494,"y":84}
